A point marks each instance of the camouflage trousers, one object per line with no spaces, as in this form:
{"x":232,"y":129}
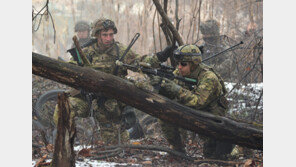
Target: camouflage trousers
{"x":174,"y":135}
{"x":212,"y":148}
{"x":108,"y":118}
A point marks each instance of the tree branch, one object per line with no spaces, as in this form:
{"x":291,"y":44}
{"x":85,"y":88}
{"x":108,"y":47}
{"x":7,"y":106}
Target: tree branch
{"x":176,"y":34}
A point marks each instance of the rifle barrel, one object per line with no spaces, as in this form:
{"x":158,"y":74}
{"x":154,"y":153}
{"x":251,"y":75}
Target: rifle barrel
{"x":160,"y":73}
{"x":206,"y":59}
{"x":130,"y":45}
{"x":126,"y":50}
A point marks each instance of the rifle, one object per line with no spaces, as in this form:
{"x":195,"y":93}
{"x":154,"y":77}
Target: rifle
{"x":126,"y":50}
{"x":223,"y":51}
{"x":167,"y":71}
{"x":163,"y":71}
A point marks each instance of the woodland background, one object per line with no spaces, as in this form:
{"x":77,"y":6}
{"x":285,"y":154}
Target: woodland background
{"x":235,"y":18}
{"x":279,"y":33}
{"x":239,"y":20}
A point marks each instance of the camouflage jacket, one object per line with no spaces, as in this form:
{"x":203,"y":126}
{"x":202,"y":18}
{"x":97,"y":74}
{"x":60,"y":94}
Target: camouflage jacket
{"x":207,"y":95}
{"x":105,"y":60}
{"x":109,"y":109}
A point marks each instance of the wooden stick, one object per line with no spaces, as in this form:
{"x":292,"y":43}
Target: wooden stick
{"x":83,"y":57}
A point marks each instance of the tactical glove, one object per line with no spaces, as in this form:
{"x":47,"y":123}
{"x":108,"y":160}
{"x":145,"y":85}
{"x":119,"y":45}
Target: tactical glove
{"x":155,"y":80}
{"x":163,"y":55}
{"x":169,"y":88}
{"x":144,"y":85}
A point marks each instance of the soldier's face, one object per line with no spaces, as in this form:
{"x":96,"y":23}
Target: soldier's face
{"x":184,"y":68}
{"x":82,"y":34}
{"x":106,"y":37}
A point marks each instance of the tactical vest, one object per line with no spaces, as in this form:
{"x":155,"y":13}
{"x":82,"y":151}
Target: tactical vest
{"x":105,"y":61}
{"x":221,"y":99}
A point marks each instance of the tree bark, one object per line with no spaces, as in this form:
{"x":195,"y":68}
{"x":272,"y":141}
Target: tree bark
{"x":165,"y":18}
{"x":64,"y":154}
{"x":217,"y":127}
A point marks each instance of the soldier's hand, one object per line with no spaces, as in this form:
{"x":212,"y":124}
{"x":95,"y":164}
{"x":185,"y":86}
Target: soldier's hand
{"x":145,"y":85}
{"x":167,"y":52}
{"x":169,"y":88}
{"x":155,"y":80}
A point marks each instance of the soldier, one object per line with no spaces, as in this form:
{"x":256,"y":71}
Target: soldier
{"x":82,"y":29}
{"x":207,"y":95}
{"x":109,"y":112}
{"x":210,"y":31}
{"x":214,"y":43}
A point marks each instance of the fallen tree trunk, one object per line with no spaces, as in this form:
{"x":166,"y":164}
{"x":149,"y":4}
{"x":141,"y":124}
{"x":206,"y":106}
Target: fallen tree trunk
{"x":154,"y":104}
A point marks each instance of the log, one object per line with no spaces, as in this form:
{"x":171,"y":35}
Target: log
{"x":64,"y":154}
{"x":204,"y":123}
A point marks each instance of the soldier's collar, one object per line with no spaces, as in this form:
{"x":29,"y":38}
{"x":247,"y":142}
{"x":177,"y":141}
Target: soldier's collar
{"x":199,"y":68}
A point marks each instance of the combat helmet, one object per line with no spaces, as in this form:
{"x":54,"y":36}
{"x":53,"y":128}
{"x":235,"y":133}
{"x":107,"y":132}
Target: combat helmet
{"x":82,"y":26}
{"x":188,"y":53}
{"x":210,"y":28}
{"x":102,"y":24}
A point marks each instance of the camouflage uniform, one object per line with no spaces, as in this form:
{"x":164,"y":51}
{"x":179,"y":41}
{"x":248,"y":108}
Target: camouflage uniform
{"x":206,"y":95}
{"x":108,"y":111}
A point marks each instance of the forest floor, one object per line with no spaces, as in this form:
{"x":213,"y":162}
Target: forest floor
{"x":87,"y":156}
{"x":89,"y":153}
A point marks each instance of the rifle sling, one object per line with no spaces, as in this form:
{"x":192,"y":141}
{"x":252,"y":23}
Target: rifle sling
{"x":117,"y":58}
